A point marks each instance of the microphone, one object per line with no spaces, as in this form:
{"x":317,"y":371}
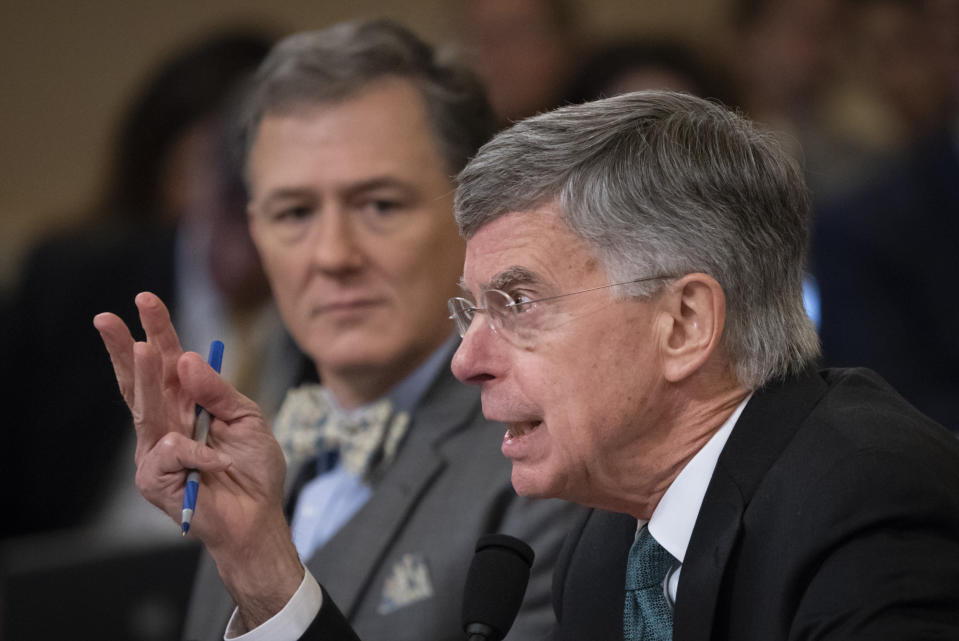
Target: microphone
{"x":495,"y":585}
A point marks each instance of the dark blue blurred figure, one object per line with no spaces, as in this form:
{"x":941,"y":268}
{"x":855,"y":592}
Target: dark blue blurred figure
{"x":635,"y":64}
{"x":886,"y":254}
{"x":886,"y":260}
{"x":69,"y":422}
{"x":171,"y":220}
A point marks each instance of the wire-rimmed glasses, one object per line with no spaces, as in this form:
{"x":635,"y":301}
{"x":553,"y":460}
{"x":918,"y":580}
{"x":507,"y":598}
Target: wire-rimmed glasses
{"x":515,"y":319}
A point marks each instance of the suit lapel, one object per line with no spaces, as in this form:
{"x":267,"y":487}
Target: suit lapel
{"x":446,"y":408}
{"x":764,"y":429}
{"x":590,"y":578}
{"x":716,"y":531}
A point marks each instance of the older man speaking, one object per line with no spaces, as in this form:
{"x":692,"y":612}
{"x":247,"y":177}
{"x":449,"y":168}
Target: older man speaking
{"x":632,"y":310}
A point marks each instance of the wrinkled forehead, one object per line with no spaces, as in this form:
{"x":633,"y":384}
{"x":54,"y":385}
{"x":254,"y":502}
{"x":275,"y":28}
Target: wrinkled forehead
{"x":534,"y":248}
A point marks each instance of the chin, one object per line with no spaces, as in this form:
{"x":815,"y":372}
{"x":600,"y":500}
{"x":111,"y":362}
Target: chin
{"x":356,"y":350}
{"x":527,"y":484}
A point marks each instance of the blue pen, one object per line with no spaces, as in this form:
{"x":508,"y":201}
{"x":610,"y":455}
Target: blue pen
{"x":200,"y":429}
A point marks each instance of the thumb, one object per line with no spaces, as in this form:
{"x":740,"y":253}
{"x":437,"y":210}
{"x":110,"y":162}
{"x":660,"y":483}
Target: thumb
{"x":211,"y":391}
{"x":200,"y":456}
{"x":176,"y":452}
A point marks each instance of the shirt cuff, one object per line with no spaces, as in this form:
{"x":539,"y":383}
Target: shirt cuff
{"x":288,"y":624}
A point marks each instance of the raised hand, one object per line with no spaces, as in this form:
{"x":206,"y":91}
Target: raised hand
{"x":239,"y":514}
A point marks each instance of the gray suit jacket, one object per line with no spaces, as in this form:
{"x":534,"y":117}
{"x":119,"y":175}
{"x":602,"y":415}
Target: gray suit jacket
{"x":397,"y":568}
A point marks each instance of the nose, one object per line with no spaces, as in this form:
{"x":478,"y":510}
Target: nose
{"x":475,"y":360}
{"x":335,"y":244}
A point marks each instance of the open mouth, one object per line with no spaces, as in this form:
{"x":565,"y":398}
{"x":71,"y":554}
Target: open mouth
{"x":517,"y":430}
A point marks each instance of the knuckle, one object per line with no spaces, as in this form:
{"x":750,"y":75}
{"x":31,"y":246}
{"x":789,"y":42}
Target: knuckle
{"x":168,"y":442}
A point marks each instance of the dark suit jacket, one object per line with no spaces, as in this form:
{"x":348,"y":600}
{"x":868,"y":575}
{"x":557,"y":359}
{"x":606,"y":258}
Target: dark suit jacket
{"x":448,"y":485}
{"x":833,"y":513}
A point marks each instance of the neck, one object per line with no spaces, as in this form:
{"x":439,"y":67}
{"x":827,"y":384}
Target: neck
{"x":354,"y":389}
{"x":651,"y":466}
{"x":368,"y":382}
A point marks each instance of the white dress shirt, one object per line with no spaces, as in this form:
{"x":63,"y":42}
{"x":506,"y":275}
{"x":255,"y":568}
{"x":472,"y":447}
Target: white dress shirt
{"x":673,"y":519}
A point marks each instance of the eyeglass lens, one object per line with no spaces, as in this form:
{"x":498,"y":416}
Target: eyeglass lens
{"x":501,"y":310}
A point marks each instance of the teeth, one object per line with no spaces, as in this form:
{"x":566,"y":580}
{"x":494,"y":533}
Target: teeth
{"x":519,"y":429}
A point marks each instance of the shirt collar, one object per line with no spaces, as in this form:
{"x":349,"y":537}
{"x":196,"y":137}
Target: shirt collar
{"x":673,"y":519}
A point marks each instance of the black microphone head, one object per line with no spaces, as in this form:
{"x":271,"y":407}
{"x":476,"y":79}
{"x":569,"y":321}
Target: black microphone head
{"x":495,"y":585}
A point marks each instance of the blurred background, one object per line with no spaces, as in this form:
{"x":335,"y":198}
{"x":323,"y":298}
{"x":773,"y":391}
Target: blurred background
{"x":72,"y":70}
{"x":114,"y":177}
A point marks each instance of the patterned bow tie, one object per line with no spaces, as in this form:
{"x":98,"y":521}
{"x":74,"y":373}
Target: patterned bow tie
{"x":310,"y":423}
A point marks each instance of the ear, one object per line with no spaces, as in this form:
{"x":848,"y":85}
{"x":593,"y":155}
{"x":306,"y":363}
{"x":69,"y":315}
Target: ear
{"x":695,"y":309}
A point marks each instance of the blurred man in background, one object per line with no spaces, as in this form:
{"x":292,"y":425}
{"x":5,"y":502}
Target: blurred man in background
{"x":352,"y":136}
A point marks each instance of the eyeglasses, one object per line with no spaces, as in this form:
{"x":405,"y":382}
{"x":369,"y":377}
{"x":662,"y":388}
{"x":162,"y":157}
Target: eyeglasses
{"x":518,"y":320}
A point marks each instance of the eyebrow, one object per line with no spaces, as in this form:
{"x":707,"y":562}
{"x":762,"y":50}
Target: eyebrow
{"x":350,"y":190}
{"x":506,"y":278}
{"x":379,"y":182}
{"x":285,"y":193}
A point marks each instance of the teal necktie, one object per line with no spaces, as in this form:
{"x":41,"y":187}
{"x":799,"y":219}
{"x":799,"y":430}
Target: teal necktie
{"x":647,"y":615}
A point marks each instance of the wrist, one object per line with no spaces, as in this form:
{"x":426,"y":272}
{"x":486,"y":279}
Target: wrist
{"x":263,"y":575}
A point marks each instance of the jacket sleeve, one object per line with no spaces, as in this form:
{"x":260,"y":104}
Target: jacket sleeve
{"x":329,"y":624}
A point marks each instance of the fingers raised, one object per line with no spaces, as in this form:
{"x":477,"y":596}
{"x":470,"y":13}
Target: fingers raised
{"x":150,"y":413}
{"x":155,"y":319}
{"x":119,"y":343}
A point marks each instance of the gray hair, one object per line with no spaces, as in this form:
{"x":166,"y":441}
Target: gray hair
{"x":334,"y":64}
{"x":666,"y":183}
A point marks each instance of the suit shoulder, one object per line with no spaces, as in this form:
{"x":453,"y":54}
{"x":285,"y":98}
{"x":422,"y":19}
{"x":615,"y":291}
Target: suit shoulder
{"x":862,"y":409}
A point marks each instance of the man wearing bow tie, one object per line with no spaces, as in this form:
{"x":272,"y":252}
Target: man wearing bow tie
{"x":351,"y":137}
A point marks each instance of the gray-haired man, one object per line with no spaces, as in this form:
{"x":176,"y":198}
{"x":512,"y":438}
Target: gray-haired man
{"x":634,"y":314}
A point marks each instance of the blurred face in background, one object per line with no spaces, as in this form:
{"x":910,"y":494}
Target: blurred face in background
{"x":909,"y":54}
{"x":351,"y":210}
{"x":188,"y":175}
{"x":788,"y":54}
{"x":522,"y":50}
{"x":203,"y":193}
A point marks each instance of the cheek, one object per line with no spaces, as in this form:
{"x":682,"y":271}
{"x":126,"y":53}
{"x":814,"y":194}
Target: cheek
{"x":582,"y":383}
{"x":570,"y":365}
{"x":554,"y":388}
{"x":286,"y":283}
{"x":280,"y":274}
